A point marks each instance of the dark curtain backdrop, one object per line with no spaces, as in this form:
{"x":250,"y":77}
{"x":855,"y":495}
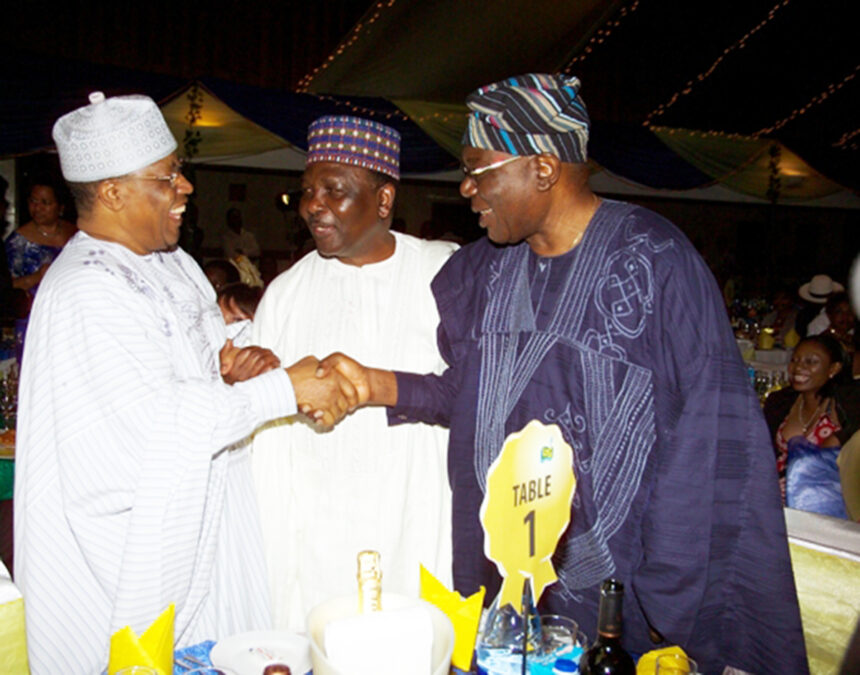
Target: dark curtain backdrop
{"x":258,"y":43}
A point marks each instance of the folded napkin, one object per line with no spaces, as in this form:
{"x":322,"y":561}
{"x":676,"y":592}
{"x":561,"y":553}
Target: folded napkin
{"x":13,"y":637}
{"x":647,"y":664}
{"x":154,"y":648}
{"x":464,"y":614}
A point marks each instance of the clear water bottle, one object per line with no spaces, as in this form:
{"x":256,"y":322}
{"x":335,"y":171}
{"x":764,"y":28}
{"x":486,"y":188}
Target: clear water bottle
{"x":500,"y":646}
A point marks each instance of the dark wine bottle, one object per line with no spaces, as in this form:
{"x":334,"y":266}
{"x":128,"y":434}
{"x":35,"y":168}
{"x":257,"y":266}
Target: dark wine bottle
{"x":606,"y":656}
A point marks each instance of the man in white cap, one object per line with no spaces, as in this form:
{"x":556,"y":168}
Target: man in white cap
{"x":813,"y":318}
{"x":365,"y":290}
{"x":128,"y":495}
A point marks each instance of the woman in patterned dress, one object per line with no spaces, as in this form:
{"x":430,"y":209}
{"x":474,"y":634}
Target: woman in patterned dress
{"x":821,"y":405}
{"x":33,"y":247}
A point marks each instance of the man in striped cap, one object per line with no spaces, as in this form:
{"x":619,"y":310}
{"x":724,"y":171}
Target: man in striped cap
{"x":365,"y":290}
{"x":600,"y":318}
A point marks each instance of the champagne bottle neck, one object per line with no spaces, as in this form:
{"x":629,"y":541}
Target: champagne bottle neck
{"x":369,"y":582}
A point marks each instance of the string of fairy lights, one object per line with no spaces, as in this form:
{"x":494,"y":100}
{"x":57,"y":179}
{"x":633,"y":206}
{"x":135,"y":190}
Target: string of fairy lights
{"x":601,"y":35}
{"x":848,"y":140}
{"x":829,"y":90}
{"x":350,"y":40}
{"x":360,"y":109}
{"x":845,"y":141}
{"x":701,"y":77}
{"x":357,"y":31}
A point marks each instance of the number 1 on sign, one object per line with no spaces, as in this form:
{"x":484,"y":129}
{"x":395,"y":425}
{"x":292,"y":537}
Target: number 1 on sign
{"x":530,"y":519}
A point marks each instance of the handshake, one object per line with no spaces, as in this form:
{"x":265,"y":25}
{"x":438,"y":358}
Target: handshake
{"x":325,"y":390}
{"x":329,"y":389}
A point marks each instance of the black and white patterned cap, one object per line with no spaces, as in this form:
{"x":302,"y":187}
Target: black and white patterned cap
{"x":530,"y":115}
{"x":111,"y":137}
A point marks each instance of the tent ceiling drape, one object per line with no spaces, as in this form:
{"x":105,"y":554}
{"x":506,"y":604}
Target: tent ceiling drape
{"x":679,"y":98}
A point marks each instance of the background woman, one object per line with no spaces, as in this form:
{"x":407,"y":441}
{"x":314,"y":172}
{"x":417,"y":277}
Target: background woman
{"x":819,"y":411}
{"x":33,"y":247}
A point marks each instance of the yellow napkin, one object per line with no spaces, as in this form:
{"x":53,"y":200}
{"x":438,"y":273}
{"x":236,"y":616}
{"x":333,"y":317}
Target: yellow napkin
{"x":464,"y":614}
{"x":13,"y":638}
{"x":154,"y":648}
{"x":647,"y":664}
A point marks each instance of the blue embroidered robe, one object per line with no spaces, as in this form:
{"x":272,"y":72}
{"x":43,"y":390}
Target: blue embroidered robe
{"x":625,"y":344}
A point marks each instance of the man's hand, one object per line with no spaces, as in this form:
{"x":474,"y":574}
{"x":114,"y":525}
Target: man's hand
{"x":325,"y":398}
{"x":349,"y":368}
{"x":238,"y":364}
{"x":373,"y":386}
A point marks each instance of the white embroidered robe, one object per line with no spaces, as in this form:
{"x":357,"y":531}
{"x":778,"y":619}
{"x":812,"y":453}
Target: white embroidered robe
{"x":125,"y":500}
{"x":326,"y":496}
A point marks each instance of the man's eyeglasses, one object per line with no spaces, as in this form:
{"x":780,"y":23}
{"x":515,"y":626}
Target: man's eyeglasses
{"x":169,"y":178}
{"x":474,"y":173}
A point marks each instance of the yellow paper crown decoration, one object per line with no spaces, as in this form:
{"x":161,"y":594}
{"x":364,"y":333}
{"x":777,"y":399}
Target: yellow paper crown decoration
{"x":464,"y":614}
{"x":154,"y":648}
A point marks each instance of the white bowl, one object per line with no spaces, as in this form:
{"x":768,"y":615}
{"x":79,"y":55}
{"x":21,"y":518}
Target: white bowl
{"x":347,"y":605}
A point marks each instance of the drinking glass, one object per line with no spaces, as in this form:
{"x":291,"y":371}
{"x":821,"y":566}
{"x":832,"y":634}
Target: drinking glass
{"x":676,"y":664}
{"x":557,"y":632}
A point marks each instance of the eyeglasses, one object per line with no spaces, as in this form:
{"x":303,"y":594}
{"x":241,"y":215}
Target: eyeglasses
{"x":474,"y":173}
{"x":169,"y":178}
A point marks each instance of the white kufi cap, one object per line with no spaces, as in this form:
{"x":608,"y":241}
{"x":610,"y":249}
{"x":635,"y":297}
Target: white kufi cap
{"x":111,"y":137}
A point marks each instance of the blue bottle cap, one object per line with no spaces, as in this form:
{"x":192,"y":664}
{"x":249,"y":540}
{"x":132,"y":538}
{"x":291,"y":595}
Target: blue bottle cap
{"x":564,"y":666}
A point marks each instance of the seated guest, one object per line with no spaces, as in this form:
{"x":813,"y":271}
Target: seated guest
{"x":238,"y":304}
{"x":32,"y":247}
{"x":838,"y":321}
{"x":812,"y":318}
{"x":220,"y":273}
{"x":819,"y":406}
{"x":781,"y":319}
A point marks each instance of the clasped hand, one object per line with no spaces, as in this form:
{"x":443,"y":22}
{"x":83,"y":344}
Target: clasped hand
{"x":325,"y":390}
{"x":240,"y":364}
{"x":324,"y":393}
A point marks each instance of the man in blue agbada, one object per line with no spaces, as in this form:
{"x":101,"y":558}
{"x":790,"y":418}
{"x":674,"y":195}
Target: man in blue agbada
{"x":600,"y":317}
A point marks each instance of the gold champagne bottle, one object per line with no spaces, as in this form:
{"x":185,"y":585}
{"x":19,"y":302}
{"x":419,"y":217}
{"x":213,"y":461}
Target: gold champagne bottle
{"x":369,"y":582}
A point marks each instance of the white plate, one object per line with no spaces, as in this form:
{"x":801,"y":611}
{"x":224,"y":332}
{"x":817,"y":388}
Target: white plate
{"x":250,"y":653}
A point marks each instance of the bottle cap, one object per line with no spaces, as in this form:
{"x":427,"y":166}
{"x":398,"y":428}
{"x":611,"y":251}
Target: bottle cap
{"x":564,"y":666}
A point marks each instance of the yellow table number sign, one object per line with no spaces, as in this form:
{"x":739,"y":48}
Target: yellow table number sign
{"x":526,"y":508}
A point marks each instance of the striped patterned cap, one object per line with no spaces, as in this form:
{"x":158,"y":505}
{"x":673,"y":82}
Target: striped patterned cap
{"x":355,"y":141}
{"x":530,"y":115}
